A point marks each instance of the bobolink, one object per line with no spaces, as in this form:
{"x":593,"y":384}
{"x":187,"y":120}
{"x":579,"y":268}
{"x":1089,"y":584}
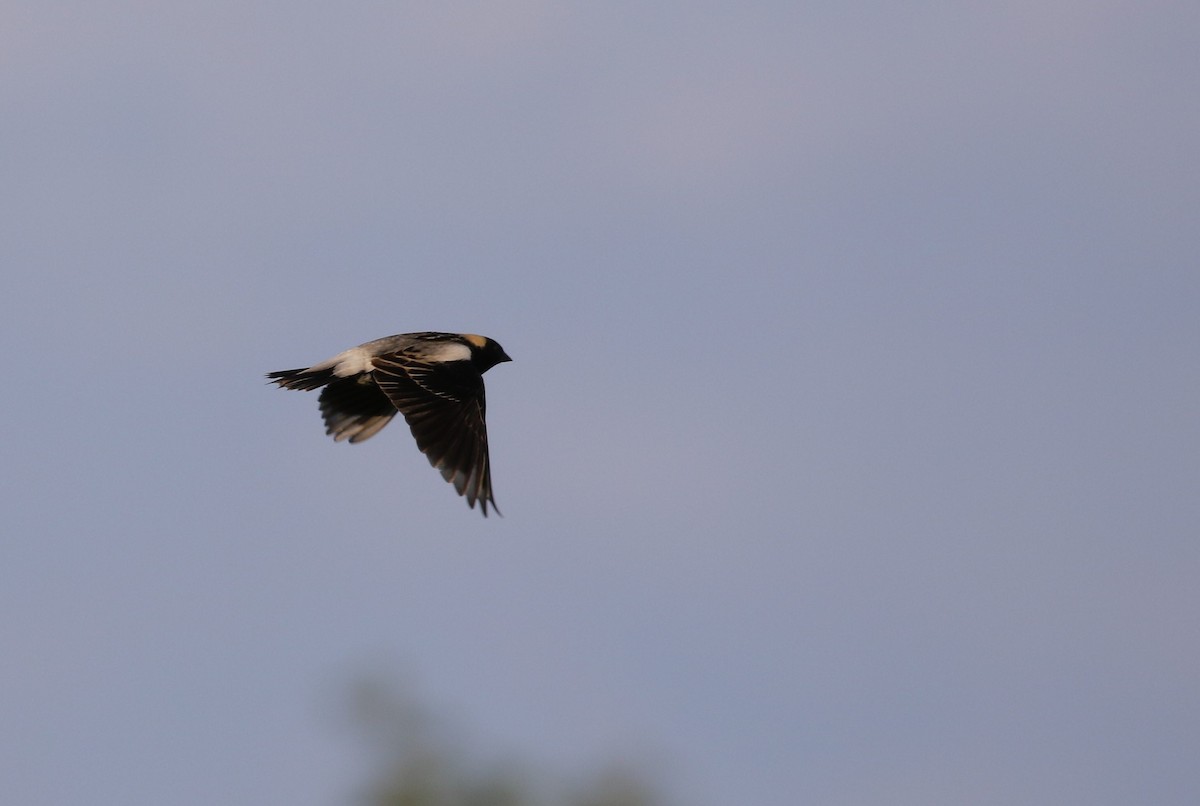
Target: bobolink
{"x":434,"y":379}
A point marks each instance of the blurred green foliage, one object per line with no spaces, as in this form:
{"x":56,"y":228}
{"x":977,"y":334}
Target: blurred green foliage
{"x":416,"y":763}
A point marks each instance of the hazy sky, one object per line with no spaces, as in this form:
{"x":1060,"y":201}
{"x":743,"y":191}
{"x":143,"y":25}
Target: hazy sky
{"x":850,"y":453}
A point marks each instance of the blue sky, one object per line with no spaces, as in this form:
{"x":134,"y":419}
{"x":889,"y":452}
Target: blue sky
{"x":849,"y":454}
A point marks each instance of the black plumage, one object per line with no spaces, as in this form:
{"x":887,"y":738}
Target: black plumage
{"x":434,"y":379}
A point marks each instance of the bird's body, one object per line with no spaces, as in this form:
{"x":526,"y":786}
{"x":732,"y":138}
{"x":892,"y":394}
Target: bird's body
{"x":434,"y":379}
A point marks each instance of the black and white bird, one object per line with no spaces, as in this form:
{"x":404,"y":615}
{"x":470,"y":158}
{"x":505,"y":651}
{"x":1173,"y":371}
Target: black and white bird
{"x":434,"y":379}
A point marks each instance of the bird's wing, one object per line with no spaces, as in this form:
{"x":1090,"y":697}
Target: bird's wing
{"x":354,"y":408}
{"x":444,"y":406}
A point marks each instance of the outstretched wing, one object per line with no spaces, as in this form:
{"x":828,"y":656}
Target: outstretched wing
{"x":444,"y":406}
{"x":354,"y":408}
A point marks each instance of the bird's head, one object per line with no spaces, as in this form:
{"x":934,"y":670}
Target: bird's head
{"x":485,"y":353}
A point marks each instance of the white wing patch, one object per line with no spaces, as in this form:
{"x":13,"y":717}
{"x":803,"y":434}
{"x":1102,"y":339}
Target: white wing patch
{"x":351,"y":362}
{"x":449,"y":351}
{"x":357,"y":360}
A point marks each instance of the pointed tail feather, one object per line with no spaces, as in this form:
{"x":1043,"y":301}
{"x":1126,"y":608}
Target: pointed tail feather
{"x":303,"y":379}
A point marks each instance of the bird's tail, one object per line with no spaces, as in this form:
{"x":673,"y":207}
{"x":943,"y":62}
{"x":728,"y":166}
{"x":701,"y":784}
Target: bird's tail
{"x":303,"y":379}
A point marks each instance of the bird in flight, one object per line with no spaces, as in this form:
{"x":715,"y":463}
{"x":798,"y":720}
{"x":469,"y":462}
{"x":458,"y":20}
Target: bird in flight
{"x":434,"y":379}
